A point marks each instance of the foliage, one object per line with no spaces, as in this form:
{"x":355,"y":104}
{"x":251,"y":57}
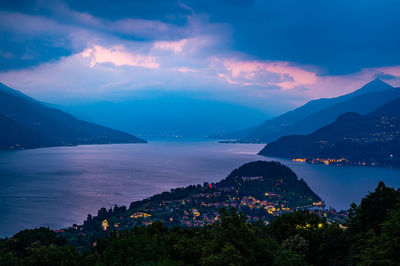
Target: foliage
{"x":374,"y":228}
{"x":372,"y":237}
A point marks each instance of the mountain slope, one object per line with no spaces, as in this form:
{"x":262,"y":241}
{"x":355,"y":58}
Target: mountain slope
{"x":31,"y":124}
{"x":14,"y":136}
{"x":321,"y":112}
{"x":372,"y":139}
{"x":258,"y":189}
{"x":362,"y":104}
{"x":168,"y":114}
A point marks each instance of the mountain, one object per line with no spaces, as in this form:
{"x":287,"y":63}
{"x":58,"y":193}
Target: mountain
{"x":168,"y":114}
{"x":372,"y":139}
{"x":27,"y":123}
{"x":321,"y":112}
{"x":258,"y":189}
{"x":362,"y":104}
{"x":15,"y":136}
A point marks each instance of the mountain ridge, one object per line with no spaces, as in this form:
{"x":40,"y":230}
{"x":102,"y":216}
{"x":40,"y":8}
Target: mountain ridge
{"x":371,"y":139}
{"x":292,"y":122}
{"x":41,"y":126}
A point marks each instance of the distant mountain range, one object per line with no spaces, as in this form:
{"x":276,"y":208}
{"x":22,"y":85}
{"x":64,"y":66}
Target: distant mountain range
{"x":372,"y":139}
{"x":27,"y":123}
{"x":167,"y":114}
{"x":318,"y":113}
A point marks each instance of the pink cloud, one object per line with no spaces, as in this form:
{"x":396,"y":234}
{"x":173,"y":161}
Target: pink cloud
{"x":176,"y":46}
{"x":227,"y":78}
{"x":296,"y":80}
{"x":221,"y":75}
{"x":186,"y":69}
{"x":300,"y":76}
{"x":119,"y":57}
{"x":331,"y":86}
{"x":391,"y":70}
{"x":249,"y":72}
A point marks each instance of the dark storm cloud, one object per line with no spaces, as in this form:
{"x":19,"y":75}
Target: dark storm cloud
{"x":340,"y":36}
{"x":18,"y":51}
{"x":26,"y":42}
{"x":167,"y":11}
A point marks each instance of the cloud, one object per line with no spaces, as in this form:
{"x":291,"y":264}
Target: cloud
{"x":118,"y":57}
{"x":54,"y":30}
{"x":262,"y":73}
{"x":186,"y":70}
{"x":248,"y":51}
{"x":384,"y":76}
{"x":116,"y":72}
{"x":168,"y":11}
{"x":393,"y":71}
{"x":176,"y":46}
{"x":324,"y":34}
{"x":27,"y":41}
{"x":233,"y":82}
{"x":340,"y":37}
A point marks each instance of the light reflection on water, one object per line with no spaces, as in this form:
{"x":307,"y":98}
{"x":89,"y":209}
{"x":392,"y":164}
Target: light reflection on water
{"x":59,"y":186}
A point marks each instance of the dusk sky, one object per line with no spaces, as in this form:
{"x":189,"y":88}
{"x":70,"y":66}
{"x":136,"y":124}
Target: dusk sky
{"x":267,"y":55}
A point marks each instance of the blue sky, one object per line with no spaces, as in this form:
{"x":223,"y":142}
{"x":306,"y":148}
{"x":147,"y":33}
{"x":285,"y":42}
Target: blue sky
{"x":265,"y":55}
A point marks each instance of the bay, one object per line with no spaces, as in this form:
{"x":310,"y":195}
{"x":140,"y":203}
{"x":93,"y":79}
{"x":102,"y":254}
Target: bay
{"x":57,"y":187}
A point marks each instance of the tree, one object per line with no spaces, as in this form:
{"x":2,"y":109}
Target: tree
{"x":373,"y":210}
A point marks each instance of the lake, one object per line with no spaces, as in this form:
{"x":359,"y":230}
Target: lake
{"x":57,"y":187}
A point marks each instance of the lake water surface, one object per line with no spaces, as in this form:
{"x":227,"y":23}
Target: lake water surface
{"x":59,"y":186}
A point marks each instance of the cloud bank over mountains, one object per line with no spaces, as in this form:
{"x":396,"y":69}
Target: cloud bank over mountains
{"x":264,"y":54}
